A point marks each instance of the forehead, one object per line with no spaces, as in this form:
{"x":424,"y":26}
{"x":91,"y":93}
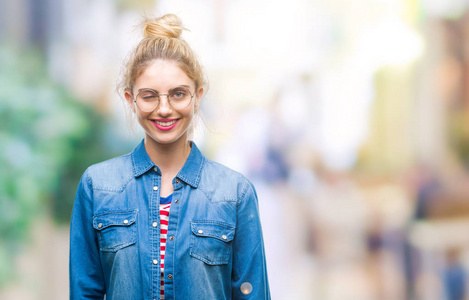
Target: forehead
{"x":162,"y":75}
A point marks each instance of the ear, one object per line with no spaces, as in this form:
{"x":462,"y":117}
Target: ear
{"x":129,"y":98}
{"x":199,"y":94}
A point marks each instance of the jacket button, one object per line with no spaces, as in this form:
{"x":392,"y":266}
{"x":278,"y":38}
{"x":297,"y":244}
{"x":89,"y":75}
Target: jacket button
{"x":177,"y":181}
{"x":171,"y":237}
{"x":224,"y":237}
{"x":200,"y":231}
{"x":246,"y":288}
{"x":126,"y":221}
{"x":100,"y":225}
{"x":155,"y":188}
{"x":155,"y":262}
{"x":177,"y":200}
{"x":155,"y":224}
{"x":170,"y":276}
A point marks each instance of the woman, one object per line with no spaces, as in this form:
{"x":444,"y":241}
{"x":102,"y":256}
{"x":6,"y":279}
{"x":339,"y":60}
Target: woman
{"x":164,"y":222}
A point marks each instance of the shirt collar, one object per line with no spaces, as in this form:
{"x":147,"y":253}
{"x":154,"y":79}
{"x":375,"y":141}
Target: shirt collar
{"x":192,"y":169}
{"x":190,"y":172}
{"x":140,"y":160}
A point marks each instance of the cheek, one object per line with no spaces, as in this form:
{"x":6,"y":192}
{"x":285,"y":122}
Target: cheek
{"x":190,"y":111}
{"x":140,"y":116}
{"x":189,"y":116}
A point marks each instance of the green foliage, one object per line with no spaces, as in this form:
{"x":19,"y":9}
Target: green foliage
{"x":47,"y":139}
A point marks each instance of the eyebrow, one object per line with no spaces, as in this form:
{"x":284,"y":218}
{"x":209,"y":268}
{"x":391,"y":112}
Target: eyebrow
{"x":182,"y":85}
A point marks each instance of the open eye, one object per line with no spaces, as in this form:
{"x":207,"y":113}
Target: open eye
{"x":179,"y":94}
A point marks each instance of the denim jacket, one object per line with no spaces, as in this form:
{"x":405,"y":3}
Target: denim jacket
{"x":214,"y":247}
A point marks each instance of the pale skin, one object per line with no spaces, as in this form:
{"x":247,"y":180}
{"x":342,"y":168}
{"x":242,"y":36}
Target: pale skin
{"x":168,"y":149}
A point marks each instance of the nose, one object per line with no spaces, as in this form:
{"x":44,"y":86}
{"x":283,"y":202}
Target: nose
{"x":164,"y":108}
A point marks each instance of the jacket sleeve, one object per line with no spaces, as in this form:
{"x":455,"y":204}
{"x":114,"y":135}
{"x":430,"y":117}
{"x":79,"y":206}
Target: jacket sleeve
{"x":85,"y":272}
{"x":249,"y":275}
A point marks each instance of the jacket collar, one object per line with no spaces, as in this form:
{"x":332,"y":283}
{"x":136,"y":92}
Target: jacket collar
{"x":190,"y":172}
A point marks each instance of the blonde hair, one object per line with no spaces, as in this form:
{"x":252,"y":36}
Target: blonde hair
{"x":162,"y":40}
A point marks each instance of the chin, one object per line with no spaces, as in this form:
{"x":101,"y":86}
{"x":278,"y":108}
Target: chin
{"x":167,"y":140}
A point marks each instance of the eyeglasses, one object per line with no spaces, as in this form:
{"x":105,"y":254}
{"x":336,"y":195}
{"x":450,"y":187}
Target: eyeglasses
{"x":147,"y":100}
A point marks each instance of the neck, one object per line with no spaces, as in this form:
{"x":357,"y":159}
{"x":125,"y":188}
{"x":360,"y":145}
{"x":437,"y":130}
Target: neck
{"x":170,"y":158}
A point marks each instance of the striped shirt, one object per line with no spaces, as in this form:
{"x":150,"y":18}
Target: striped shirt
{"x":165,"y":204}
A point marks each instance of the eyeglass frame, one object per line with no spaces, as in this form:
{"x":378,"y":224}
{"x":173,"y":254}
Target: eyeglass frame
{"x":159,"y":99}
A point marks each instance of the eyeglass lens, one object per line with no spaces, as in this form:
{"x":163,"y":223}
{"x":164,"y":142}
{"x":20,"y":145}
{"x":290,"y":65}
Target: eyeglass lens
{"x":148,"y":100}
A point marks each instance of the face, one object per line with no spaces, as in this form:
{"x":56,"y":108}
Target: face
{"x":165,"y":124}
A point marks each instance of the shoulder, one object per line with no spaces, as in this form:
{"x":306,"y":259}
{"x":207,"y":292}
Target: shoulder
{"x":214,"y":169}
{"x":112,"y":174}
{"x":219,"y":181}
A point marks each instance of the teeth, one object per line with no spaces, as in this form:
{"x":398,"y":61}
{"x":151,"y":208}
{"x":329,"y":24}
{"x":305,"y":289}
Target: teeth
{"x":165,"y":123}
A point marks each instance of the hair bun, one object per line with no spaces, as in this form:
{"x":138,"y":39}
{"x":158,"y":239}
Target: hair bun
{"x":166,"y":26}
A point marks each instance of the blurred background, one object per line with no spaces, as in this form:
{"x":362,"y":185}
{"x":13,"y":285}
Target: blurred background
{"x":350,"y":116}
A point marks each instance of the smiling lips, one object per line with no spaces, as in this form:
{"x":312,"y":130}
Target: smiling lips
{"x":165,"y":124}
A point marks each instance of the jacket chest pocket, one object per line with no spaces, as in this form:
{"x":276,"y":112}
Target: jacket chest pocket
{"x":211,"y":241}
{"x":116,"y":230}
